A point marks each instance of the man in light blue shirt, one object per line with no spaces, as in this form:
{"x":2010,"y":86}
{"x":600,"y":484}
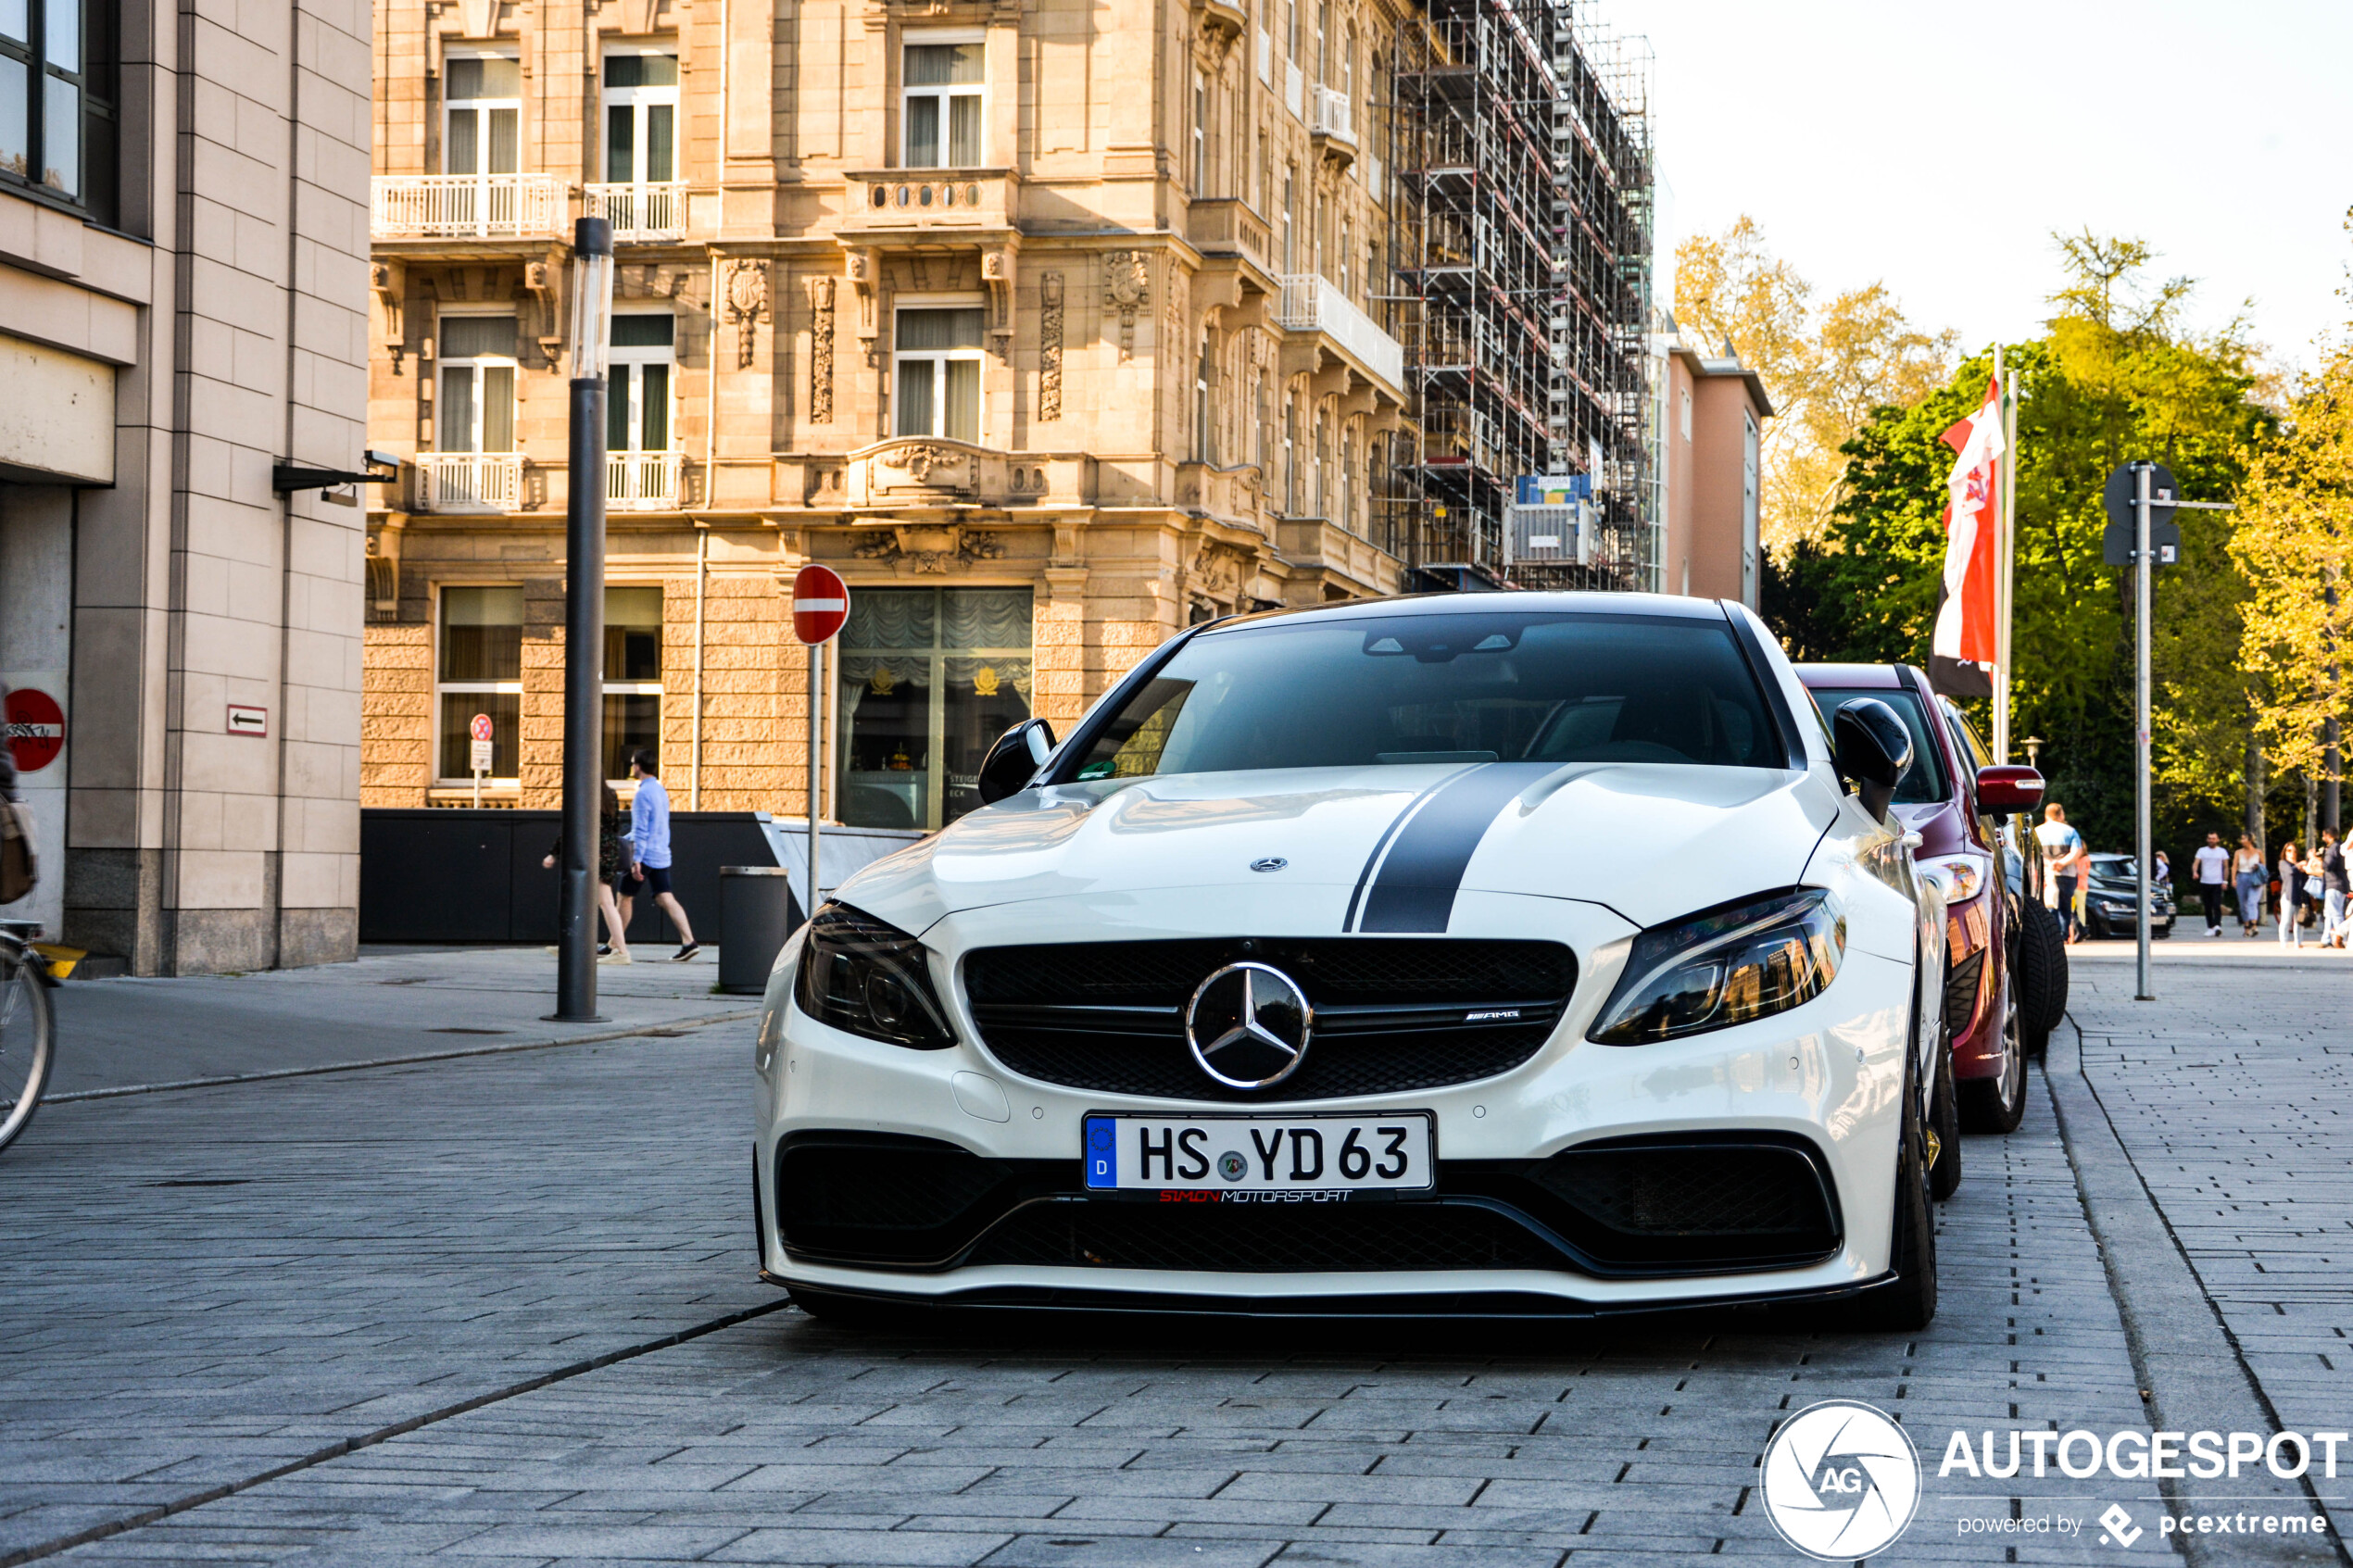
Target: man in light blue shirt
{"x":650,"y":847}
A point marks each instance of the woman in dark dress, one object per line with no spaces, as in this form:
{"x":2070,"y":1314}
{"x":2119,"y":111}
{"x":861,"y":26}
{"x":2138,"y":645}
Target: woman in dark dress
{"x":609,"y":869}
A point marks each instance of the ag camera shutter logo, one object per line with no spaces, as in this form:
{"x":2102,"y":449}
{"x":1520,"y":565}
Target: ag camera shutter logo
{"x":1841,"y":1481}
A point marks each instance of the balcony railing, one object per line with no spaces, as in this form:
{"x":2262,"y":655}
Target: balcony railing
{"x":1312,"y":303}
{"x":639,"y":213}
{"x":641,"y":482}
{"x":1294,"y":90}
{"x":895,"y":200}
{"x":469,"y":482}
{"x":1331,"y":116}
{"x":1225,"y":226}
{"x":467,"y":207}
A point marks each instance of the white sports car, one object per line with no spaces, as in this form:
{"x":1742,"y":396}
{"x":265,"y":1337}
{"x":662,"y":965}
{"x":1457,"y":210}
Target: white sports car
{"x":1477,"y":954}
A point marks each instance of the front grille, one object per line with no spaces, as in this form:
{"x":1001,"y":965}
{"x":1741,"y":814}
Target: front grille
{"x":1389,"y":1012}
{"x":1251,"y":1238}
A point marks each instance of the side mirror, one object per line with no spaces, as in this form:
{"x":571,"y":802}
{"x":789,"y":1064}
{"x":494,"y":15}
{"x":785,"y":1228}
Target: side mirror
{"x":1873,"y":749}
{"x":1015,"y":759}
{"x":2003,"y":790}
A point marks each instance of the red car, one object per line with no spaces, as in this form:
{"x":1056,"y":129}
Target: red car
{"x":1954,"y":799}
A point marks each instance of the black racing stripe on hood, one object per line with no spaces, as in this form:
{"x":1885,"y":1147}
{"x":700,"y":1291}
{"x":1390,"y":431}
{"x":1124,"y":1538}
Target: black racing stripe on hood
{"x":1414,"y":889}
{"x":1356,"y":897}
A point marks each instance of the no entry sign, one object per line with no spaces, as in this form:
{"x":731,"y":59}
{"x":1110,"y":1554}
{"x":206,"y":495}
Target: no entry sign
{"x":819,"y":603}
{"x":482,"y":726}
{"x":36,"y":729}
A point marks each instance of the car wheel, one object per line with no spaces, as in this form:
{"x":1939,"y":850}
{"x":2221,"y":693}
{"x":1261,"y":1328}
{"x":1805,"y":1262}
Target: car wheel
{"x":2096,"y":926}
{"x":1998,"y":1104}
{"x":1944,"y":1127}
{"x":1908,"y":1301}
{"x":2042,"y":976}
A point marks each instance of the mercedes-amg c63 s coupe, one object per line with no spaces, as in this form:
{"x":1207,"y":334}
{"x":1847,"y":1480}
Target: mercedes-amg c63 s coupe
{"x":1479,"y":954}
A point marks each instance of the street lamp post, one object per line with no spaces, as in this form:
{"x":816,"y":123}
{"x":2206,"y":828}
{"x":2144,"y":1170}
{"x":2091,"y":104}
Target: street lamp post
{"x":583,"y":623}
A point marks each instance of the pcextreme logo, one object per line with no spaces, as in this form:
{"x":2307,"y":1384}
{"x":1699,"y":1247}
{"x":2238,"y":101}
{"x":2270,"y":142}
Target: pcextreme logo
{"x":1841,"y":1480}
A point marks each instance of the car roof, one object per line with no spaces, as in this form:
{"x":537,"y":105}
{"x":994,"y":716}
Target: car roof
{"x":1522,"y":602}
{"x":1872,"y":677}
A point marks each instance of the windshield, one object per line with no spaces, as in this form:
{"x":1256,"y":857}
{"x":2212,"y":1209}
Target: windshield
{"x":1924,"y":782}
{"x":1485,"y":686}
{"x":2116,"y":868}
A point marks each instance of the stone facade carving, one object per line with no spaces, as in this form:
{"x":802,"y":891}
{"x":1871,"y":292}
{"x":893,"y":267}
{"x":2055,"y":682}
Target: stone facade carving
{"x":1128,"y":288}
{"x":747,"y":305}
{"x":1050,"y":348}
{"x":821,"y":350}
{"x":930,"y":551}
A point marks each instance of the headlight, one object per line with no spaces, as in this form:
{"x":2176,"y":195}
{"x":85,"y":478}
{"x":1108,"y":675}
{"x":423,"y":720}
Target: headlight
{"x":1958,"y":876}
{"x":1737,"y":964}
{"x":859,"y":974}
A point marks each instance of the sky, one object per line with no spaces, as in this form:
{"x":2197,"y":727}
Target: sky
{"x":1935,"y":148}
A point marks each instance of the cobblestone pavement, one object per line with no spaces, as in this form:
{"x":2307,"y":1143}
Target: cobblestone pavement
{"x":404,"y":1242}
{"x":2233,"y":1092}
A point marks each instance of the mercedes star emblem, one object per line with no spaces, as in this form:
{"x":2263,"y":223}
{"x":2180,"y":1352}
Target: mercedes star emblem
{"x":1248,"y":1025}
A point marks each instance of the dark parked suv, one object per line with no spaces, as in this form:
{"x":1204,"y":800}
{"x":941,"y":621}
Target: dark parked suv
{"x":1955,"y":799}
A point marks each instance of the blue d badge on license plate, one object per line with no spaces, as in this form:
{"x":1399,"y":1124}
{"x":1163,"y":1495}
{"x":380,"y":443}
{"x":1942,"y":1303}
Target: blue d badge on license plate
{"x":1102,"y":1134}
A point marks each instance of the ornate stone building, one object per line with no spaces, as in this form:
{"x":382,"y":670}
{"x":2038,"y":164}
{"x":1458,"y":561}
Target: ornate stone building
{"x":1053,"y":327}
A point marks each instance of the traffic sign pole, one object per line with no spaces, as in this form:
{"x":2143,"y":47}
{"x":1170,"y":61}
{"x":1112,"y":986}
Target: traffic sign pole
{"x":2144,"y":570}
{"x":820,"y":605}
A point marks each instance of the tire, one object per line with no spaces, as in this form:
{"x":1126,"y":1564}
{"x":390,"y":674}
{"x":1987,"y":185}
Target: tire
{"x":2042,"y":976}
{"x":1998,"y":1104}
{"x":1945,"y":1118}
{"x":27,"y":1042}
{"x":1907,"y":1302}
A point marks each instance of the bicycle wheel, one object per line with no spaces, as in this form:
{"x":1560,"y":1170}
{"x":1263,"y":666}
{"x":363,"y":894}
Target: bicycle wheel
{"x":27,"y":1034}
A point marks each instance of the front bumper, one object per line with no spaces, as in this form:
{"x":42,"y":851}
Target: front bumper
{"x":1821,"y":1083}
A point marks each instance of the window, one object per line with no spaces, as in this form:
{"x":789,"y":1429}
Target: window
{"x":1344,"y":511}
{"x":930,"y":677}
{"x":1289,"y":265}
{"x":637,"y":399}
{"x":1319,"y":461}
{"x":1323,"y":43}
{"x":943,"y":95}
{"x":1291,"y":31}
{"x":481,"y":116}
{"x":1516,"y":685}
{"x":641,"y":112}
{"x":1348,"y":61}
{"x":936,"y":373}
{"x":477,"y":383}
{"x":1205,"y":373}
{"x":56,"y":98}
{"x":633,"y":676}
{"x":1290,"y":455}
{"x":1687,"y":413}
{"x":1201,"y":134}
{"x":479,"y":672}
{"x":1343,"y":259}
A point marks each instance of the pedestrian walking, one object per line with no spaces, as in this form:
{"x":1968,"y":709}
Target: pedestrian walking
{"x":2212,"y":866}
{"x":649,"y":848}
{"x":2291,"y":895}
{"x":2063,"y":857}
{"x":615,"y":946}
{"x":2334,"y":887}
{"x":2248,"y":876}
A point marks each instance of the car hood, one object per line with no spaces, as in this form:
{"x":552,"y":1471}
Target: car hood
{"x":1373,"y":849}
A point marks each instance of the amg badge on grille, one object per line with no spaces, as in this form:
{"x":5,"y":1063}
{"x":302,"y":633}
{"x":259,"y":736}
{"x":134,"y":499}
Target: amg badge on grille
{"x":1248,"y":1025}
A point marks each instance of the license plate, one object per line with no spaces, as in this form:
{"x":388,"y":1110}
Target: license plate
{"x":1393,"y":1153}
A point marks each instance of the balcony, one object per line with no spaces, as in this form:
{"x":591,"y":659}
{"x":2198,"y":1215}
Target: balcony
{"x":885,"y":204}
{"x":1228,"y":227}
{"x":469,"y":482}
{"x":1314,"y":304}
{"x":467,"y":207}
{"x":639,"y":214}
{"x":1332,"y":121}
{"x":641,"y":482}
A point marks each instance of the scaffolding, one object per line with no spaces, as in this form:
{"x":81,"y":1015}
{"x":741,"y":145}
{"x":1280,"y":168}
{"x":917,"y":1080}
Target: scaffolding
{"x":1520,"y":243}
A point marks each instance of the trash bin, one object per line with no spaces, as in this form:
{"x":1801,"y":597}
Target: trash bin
{"x":757,"y":912}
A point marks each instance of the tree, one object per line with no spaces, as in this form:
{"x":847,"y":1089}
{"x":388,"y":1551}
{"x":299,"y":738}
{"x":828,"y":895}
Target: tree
{"x":1827,"y":370}
{"x":2293,"y":538}
{"x":2113,"y":378}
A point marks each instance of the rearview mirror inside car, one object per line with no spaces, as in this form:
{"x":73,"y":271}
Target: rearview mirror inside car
{"x":1015,"y":759}
{"x":2001,"y":790}
{"x":1873,"y":749}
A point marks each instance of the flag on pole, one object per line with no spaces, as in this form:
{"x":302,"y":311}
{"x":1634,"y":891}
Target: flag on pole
{"x":1967,"y":642}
